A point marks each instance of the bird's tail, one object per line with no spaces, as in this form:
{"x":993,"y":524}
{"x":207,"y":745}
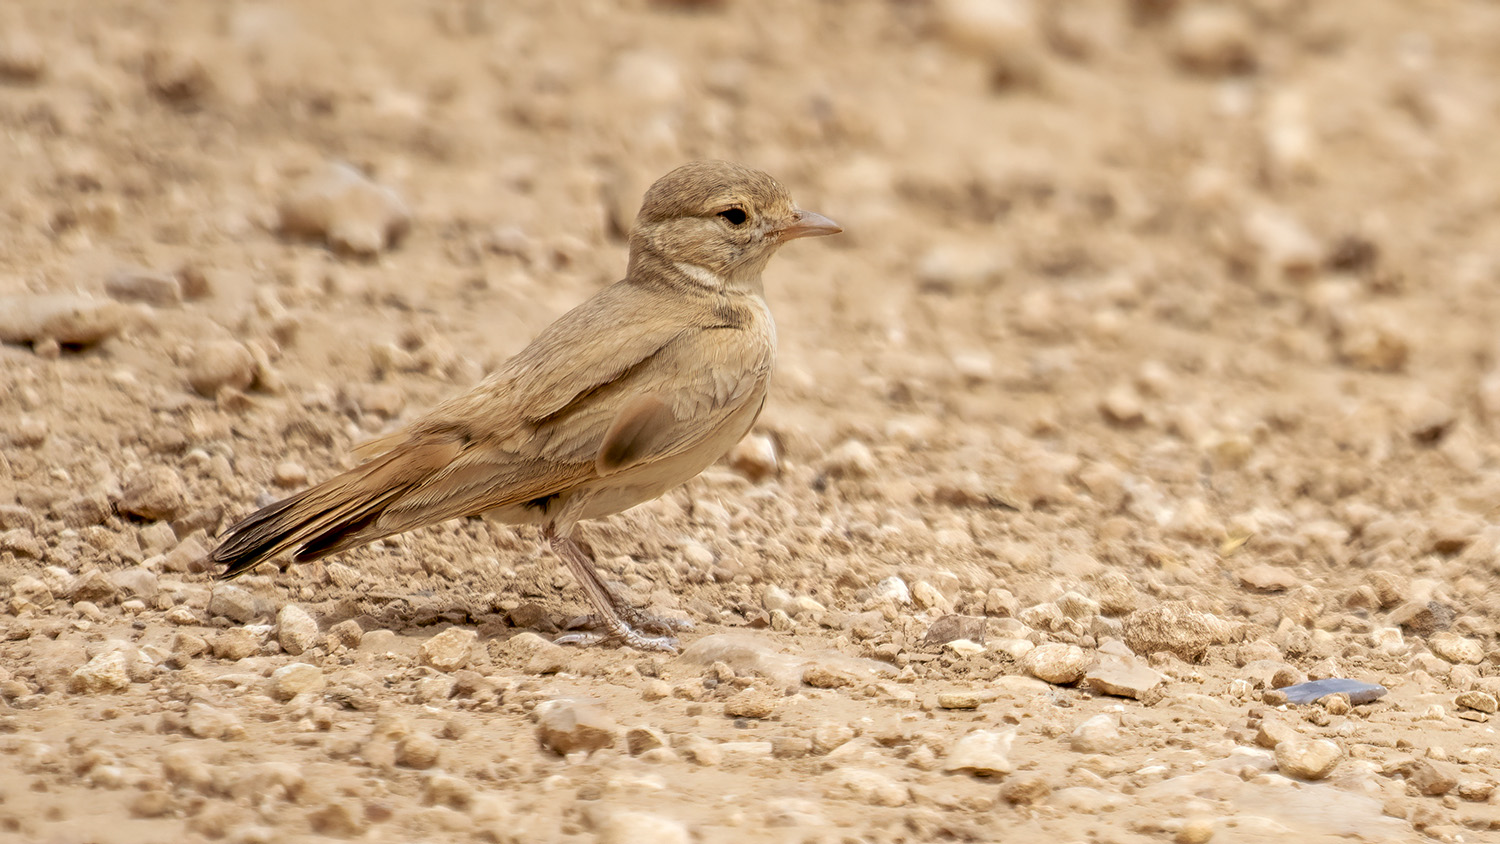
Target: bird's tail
{"x":340,"y":513}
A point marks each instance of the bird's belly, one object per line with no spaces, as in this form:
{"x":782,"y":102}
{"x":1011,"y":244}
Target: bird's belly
{"x":620,"y":492}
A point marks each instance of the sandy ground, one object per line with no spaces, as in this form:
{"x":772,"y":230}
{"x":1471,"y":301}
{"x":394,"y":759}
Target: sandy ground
{"x":1155,"y":369}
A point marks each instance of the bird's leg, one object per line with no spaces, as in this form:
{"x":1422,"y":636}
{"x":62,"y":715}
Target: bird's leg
{"x":633,"y":616}
{"x":606,"y":603}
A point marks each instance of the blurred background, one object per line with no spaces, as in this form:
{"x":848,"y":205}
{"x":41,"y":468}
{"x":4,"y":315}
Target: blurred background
{"x":1255,"y":233}
{"x":1198,"y":297}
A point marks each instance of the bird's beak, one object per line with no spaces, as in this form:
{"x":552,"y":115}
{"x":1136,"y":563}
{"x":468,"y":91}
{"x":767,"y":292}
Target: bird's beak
{"x":809,"y":224}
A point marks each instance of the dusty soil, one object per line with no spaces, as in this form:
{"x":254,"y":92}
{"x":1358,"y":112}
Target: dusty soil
{"x":1157,"y":361}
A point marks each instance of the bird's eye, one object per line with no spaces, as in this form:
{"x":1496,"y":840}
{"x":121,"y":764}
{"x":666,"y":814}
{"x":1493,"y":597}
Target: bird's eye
{"x":735,"y":216}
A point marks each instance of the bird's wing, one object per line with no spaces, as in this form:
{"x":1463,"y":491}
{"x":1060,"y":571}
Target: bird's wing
{"x":694,"y":388}
{"x":664,"y":405}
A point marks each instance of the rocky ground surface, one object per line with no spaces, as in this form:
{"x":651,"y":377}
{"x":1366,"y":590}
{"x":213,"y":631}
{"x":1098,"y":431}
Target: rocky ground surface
{"x":1154,"y":374}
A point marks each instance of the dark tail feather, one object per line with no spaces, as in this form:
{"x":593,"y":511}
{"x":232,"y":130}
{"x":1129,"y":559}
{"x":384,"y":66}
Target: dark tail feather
{"x":333,"y":516}
{"x":308,"y":519}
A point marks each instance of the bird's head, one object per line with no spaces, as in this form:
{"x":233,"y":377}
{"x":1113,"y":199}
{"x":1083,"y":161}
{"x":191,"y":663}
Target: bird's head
{"x":716,"y":224}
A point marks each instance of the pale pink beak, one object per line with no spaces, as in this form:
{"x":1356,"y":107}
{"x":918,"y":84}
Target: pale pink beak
{"x":809,"y":224}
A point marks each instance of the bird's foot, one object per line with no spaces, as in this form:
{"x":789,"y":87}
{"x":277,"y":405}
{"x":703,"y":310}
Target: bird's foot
{"x":624,"y":634}
{"x":635,"y":618}
{"x":655,"y":623}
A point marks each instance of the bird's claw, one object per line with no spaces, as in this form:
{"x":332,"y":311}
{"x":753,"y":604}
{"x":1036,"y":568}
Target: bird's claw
{"x":656,"y":623}
{"x":624,"y":635}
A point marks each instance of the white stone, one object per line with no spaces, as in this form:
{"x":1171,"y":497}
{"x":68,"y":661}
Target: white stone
{"x":296,"y":631}
{"x":449,"y":650}
{"x":289,"y":681}
{"x":982,"y":753}
{"x":1057,"y":663}
{"x":1099,"y":734}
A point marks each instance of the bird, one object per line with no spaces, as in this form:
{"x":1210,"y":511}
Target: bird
{"x":626,"y":396}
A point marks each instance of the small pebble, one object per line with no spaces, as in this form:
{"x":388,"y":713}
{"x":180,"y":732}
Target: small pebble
{"x":417,"y":750}
{"x":449,"y":650}
{"x":851,"y":459}
{"x":22,"y":58}
{"x":1099,"y":734}
{"x":219,"y":365}
{"x":1174,"y":627}
{"x":1057,"y":663}
{"x":288,"y":474}
{"x":1456,"y":649}
{"x":142,"y":285}
{"x":107,"y":672}
{"x":751,"y":703}
{"x":343,"y":207}
{"x":1307,"y":759}
{"x":631,"y":827}
{"x":298,"y":678}
{"x":568,"y":726}
{"x":754,"y":457}
{"x":154,"y":494}
{"x":982,"y":753}
{"x":959,"y":700}
{"x":871,"y":787}
{"x":296,"y":631}
{"x":1477,"y":700}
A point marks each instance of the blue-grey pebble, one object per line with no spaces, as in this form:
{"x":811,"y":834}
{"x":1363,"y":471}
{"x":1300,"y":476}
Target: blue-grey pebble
{"x":1357,"y":690}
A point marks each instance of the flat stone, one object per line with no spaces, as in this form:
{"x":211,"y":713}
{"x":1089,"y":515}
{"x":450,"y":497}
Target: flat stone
{"x":825,"y":675}
{"x":1267,"y":578}
{"x":1477,"y":700}
{"x":65,"y":318}
{"x":983,"y":753}
{"x":630,"y":827}
{"x":871,"y":787}
{"x":951,"y":628}
{"x":751,"y":703}
{"x":209,"y":722}
{"x":1423,"y":618}
{"x":1123,"y":676}
{"x":1359,"y":692}
{"x":136,"y":582}
{"x":959,"y":700}
{"x":236,"y":643}
{"x":137,"y":284}
{"x":233,"y":603}
{"x":1456,"y":649}
{"x":1429,"y":777}
{"x":567,"y":726}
